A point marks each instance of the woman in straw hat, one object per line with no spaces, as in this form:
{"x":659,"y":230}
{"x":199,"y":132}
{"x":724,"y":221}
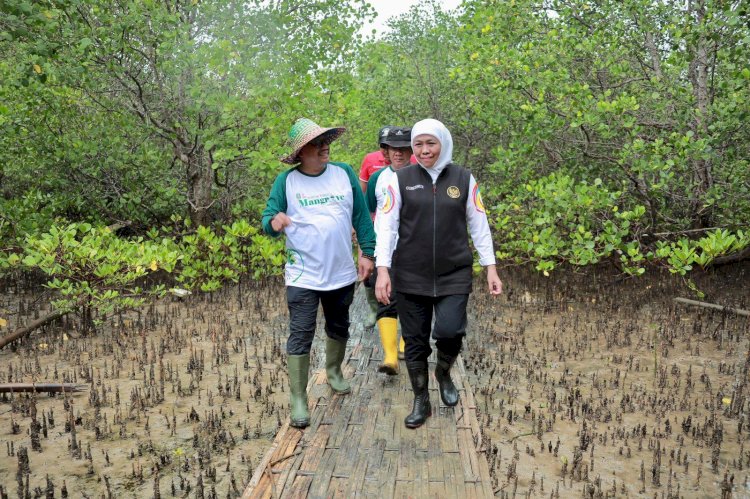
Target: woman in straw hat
{"x":315,"y":204}
{"x":432,"y":205}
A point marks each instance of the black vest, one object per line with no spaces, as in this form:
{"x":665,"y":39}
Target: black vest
{"x":433,"y":257}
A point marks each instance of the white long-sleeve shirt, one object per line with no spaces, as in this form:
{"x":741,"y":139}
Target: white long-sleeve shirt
{"x":388,"y":218}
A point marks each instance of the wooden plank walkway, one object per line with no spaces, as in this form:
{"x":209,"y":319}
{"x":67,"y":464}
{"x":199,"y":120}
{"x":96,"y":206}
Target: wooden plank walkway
{"x":357,"y":444}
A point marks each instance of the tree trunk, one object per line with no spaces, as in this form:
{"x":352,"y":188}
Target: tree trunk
{"x":699,"y":71}
{"x":200,"y":179}
{"x":42,"y":387}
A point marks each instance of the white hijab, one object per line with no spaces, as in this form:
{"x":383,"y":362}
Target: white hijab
{"x":440,"y":132}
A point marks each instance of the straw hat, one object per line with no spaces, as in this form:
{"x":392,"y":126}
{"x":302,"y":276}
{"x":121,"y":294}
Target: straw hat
{"x":303,"y":132}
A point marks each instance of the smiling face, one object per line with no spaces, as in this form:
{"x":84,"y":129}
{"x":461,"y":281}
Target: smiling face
{"x":426,"y":149}
{"x":399,"y":156}
{"x":314,"y":156}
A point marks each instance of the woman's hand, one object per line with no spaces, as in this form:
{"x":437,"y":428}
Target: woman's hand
{"x":365,"y":266}
{"x":494,"y":283}
{"x":280,"y":221}
{"x":383,"y":286}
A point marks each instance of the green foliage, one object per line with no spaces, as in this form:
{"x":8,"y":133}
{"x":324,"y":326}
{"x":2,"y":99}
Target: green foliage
{"x":28,"y":214}
{"x":555,"y":219}
{"x":185,"y":113}
{"x":91,"y":267}
{"x":563,"y":92}
{"x":599,"y":131}
{"x":683,"y":255}
{"x":209,"y":257}
{"x":401,"y":78}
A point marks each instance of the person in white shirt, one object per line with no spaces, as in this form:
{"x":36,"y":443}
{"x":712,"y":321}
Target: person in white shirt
{"x":315,"y":204}
{"x":433,"y":203}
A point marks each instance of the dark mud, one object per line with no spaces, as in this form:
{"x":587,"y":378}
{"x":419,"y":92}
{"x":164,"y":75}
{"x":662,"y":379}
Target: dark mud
{"x":183,"y":398}
{"x":591,"y":386}
{"x":587,"y":386}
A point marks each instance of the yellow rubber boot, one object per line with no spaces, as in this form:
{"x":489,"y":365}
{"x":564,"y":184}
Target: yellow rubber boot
{"x":388,"y":327}
{"x":401,"y":347}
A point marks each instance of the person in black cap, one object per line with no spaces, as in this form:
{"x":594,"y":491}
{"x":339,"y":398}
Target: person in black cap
{"x":398,"y":144}
{"x":373,"y":162}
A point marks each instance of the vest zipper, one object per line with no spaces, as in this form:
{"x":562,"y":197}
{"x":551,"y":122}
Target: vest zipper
{"x":434,"y":239}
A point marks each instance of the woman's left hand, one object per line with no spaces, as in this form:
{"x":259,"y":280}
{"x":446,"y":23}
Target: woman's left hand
{"x":494,"y":284}
{"x":383,"y":286}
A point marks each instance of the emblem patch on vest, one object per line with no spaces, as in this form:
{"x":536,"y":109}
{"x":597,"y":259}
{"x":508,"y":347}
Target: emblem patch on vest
{"x":454,"y":192}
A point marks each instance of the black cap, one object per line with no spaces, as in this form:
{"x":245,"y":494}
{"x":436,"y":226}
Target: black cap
{"x":398,"y":136}
{"x":383,"y":134}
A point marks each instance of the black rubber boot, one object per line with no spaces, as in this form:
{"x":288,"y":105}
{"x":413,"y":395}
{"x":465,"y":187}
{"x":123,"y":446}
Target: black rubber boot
{"x":419,"y":384}
{"x":448,"y":391}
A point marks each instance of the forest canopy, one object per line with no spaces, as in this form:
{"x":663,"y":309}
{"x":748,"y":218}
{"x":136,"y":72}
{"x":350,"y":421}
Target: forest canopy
{"x":600,"y":130}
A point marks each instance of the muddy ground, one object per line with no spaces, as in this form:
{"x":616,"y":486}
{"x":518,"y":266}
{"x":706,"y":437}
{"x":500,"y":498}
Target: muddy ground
{"x":588,"y":386}
{"x":592,"y":386}
{"x":183,"y":398}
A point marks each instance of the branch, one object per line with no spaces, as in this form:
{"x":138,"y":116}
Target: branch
{"x":23,"y":331}
{"x":689,"y":231}
{"x":714,"y":306}
{"x":733,"y":258}
{"x":199,"y":208}
{"x":42,"y":387}
{"x":151,"y":119}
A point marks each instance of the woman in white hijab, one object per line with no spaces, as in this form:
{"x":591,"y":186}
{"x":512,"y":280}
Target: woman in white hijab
{"x":431,"y":206}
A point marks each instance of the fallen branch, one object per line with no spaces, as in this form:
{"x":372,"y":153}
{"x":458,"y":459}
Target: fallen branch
{"x":519,"y":436}
{"x":23,"y":331}
{"x":737,"y":311}
{"x":41,"y":387}
{"x":733,"y":258}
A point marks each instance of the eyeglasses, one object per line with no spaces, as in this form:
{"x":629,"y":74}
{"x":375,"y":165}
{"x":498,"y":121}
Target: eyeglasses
{"x":321,"y":140}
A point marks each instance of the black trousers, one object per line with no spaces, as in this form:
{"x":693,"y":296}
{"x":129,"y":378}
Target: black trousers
{"x":385,"y":310}
{"x":415,"y":313}
{"x":303,"y":315}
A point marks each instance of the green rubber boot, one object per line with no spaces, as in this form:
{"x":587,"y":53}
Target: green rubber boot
{"x":372,"y":307}
{"x":335,"y":351}
{"x":299,"y":367}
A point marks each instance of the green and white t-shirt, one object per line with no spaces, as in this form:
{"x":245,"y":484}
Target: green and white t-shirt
{"x":323,"y":209}
{"x":379,"y":194}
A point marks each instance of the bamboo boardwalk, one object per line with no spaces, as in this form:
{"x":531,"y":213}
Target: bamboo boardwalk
{"x":357,"y":444}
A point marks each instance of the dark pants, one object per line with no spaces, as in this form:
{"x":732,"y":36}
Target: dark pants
{"x":370,"y":281}
{"x":303,"y":315}
{"x":415,"y":314}
{"x":385,"y":310}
